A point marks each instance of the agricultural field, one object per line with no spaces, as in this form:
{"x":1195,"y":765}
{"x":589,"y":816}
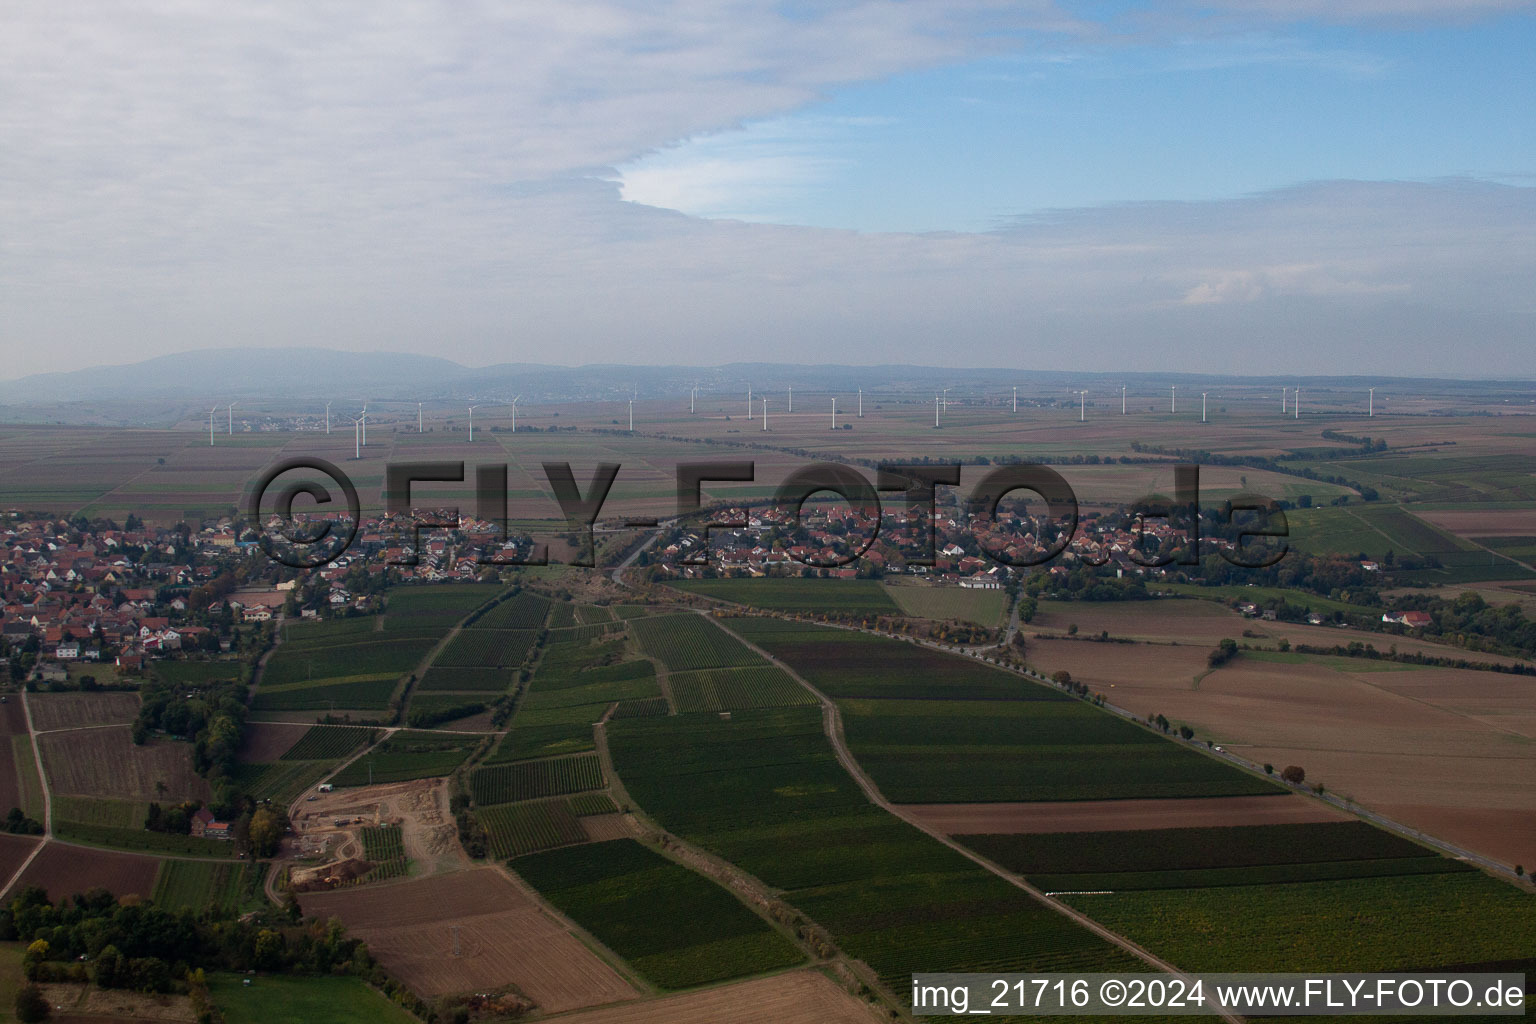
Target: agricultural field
{"x":196,"y":885}
{"x":844,"y":597}
{"x":327,"y":743}
{"x":479,"y":680}
{"x":408,"y":755}
{"x":685,"y":641}
{"x":1176,"y":858}
{"x":529,"y":780}
{"x":89,"y":810}
{"x":502,"y":937}
{"x":52,"y":711}
{"x":383,"y":843}
{"x":106,"y":763}
{"x":141,"y":840}
{"x":520,"y":611}
{"x":17,"y":775}
{"x":733,"y":689}
{"x":765,"y":791}
{"x":677,"y":928}
{"x":199,"y":673}
{"x":1122,"y":815}
{"x":520,"y":828}
{"x":572,"y":687}
{"x":272,"y":999}
{"x":487,"y":648}
{"x":279,"y":781}
{"x":1186,"y":621}
{"x":14,"y":851}
{"x":267,"y":741}
{"x":356,"y":693}
{"x":65,"y":870}
{"x":799,"y":997}
{"x":434,"y":608}
{"x":385,"y":655}
{"x":1419,"y":922}
{"x":982,"y":607}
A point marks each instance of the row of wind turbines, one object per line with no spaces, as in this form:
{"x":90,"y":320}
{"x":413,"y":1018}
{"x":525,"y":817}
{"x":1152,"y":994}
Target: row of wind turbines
{"x":1290,"y":404}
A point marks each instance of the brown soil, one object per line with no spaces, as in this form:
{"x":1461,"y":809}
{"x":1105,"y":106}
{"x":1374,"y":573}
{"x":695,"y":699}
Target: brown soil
{"x":600,"y":827}
{"x":473,"y":931}
{"x":73,"y":710}
{"x":1504,"y":522}
{"x":65,"y":870}
{"x":100,"y":1006}
{"x":802,"y":997}
{"x":106,"y":763}
{"x":1118,"y":815}
{"x":266,"y":741}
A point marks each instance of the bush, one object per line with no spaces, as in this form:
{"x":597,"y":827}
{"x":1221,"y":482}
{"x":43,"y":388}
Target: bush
{"x":1294,"y":775}
{"x":30,"y":1004}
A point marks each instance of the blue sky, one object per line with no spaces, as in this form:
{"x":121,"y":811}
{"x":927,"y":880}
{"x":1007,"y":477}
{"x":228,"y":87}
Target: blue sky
{"x":1245,"y":186}
{"x":1066,"y":123}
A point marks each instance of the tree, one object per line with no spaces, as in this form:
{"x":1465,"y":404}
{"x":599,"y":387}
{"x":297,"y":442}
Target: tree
{"x":1269,"y":769}
{"x":266,"y":833}
{"x":1293,"y":774}
{"x":1185,"y":732}
{"x":30,"y":1004}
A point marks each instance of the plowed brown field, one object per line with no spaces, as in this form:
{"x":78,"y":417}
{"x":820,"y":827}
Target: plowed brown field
{"x":106,"y":763}
{"x":473,"y":930}
{"x":804,"y":997}
{"x":65,"y":870}
{"x":1116,"y":815}
{"x":73,"y":710}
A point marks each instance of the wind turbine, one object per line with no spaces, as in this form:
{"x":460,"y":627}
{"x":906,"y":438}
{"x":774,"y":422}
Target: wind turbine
{"x":1202,"y":407}
{"x":935,"y":411}
{"x":1173,"y":398}
{"x":232,"y":418}
{"x":1296,"y":403}
{"x":1284,"y":400}
{"x":357,"y":438}
{"x":834,"y":414}
{"x":1122,"y":400}
{"x":364,"y":421}
{"x":1015,"y":398}
{"x":327,"y":418}
{"x":693,"y":394}
{"x":945,"y":393}
{"x":519,"y":398}
{"x":765,"y":414}
{"x":791,"y":398}
{"x":1371,"y":407}
{"x":632,"y":413}
{"x":749,"y":401}
{"x":418,"y":418}
{"x":472,"y":421}
{"x":210,"y":425}
{"x":1082,"y":409}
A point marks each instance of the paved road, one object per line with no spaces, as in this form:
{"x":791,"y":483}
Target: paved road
{"x":833,"y":726}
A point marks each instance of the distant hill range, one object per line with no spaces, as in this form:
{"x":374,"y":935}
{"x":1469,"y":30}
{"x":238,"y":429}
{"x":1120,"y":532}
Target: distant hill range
{"x":175,"y":386}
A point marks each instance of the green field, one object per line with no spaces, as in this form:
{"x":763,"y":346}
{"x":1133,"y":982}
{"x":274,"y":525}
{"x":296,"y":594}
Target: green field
{"x":732,"y":689}
{"x":686,"y":641}
{"x":199,"y":673}
{"x":765,"y":791}
{"x":520,"y":611}
{"x":362,"y":693}
{"x":482,"y":680}
{"x":197,"y":885}
{"x":930,"y":727}
{"x":383,"y":843}
{"x":141,"y":840}
{"x":291,"y":664}
{"x":983,"y":607}
{"x":408,"y":755}
{"x":433,"y":608}
{"x":1260,"y":595}
{"x":845,"y":597}
{"x":1363,"y":924}
{"x":516,"y":829}
{"x":335,"y":999}
{"x":96,"y":811}
{"x":327,"y":743}
{"x":280,"y":781}
{"x":676,"y":927}
{"x":487,"y":648}
{"x":529,"y":780}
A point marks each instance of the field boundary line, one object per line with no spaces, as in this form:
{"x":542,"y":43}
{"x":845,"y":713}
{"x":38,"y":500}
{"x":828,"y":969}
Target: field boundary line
{"x":832,"y":722}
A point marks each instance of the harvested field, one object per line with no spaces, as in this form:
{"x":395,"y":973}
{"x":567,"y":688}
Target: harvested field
{"x":105,"y":762}
{"x":800,"y":997}
{"x":1144,"y":620}
{"x":602,"y":827}
{"x":66,"y":870}
{"x":1506,"y":522}
{"x":504,"y":936}
{"x":1113,"y":815}
{"x":15,"y":752}
{"x":14,"y":851}
{"x":1446,"y":751}
{"x":72,"y":710}
{"x":1102,"y":666}
{"x":110,"y":1006}
{"x":268,"y":741}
